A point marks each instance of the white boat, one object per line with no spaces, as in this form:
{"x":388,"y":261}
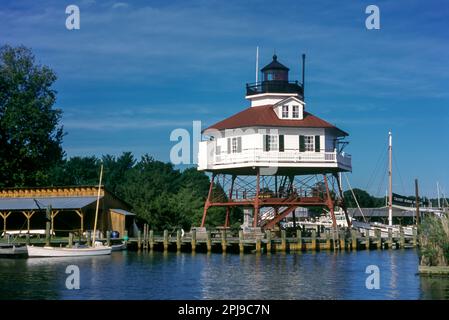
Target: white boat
{"x":12,"y":250}
{"x":98,"y":249}
{"x":34,"y":251}
{"x":118,"y":247}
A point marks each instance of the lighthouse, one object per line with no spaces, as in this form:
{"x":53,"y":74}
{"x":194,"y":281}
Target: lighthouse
{"x":275,"y":155}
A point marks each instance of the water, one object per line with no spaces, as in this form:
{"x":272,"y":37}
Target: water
{"x":132,"y":275}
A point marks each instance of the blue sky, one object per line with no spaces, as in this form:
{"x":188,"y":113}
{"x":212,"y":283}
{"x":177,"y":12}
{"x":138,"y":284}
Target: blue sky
{"x":136,"y":70}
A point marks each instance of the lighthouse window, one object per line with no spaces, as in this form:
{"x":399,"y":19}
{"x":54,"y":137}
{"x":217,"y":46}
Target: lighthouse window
{"x":295,"y":112}
{"x":284,"y":111}
{"x":309,"y":143}
{"x":272,"y":143}
{"x":237,"y":145}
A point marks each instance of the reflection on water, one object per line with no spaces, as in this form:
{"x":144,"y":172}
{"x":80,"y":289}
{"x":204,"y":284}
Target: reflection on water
{"x":132,"y":275}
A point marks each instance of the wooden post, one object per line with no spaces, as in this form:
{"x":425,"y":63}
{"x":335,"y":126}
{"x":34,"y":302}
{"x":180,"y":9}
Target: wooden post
{"x":89,"y":240}
{"x":268,"y":233}
{"x":165,"y":240}
{"x":378,"y":238}
{"x":70,"y":240}
{"x":401,"y":237}
{"x":313,"y":240}
{"x":47,"y":234}
{"x":223,"y":241}
{"x":193,"y":240}
{"x":4,"y":216}
{"x":258,"y":246}
{"x":108,"y":238}
{"x":178,"y":240}
{"x":354,"y":240}
{"x":27,"y":238}
{"x":328,"y":240}
{"x":367,"y":240}
{"x":139,"y":240}
{"x":283,"y":241}
{"x":151,"y":240}
{"x":342,"y":240}
{"x":299,"y":239}
{"x":208,"y":241}
{"x":241,"y":247}
{"x":390,"y":238}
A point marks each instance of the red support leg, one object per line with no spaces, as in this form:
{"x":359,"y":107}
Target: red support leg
{"x":207,"y":204}
{"x":256,"y":200}
{"x":330,"y":203}
{"x":227,"y":222}
{"x":342,"y":203}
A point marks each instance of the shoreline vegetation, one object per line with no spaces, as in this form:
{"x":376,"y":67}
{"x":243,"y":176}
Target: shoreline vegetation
{"x":433,"y":235}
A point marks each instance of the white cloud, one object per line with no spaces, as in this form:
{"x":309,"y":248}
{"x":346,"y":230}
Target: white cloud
{"x":118,"y":5}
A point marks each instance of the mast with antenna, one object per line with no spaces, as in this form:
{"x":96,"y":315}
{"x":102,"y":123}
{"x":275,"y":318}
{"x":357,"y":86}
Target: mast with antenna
{"x":257,"y":64}
{"x":390,"y":176}
{"x":98,"y":205}
{"x":303,"y":76}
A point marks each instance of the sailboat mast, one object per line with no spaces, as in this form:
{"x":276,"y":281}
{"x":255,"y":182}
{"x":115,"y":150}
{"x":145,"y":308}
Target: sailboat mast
{"x":98,"y":205}
{"x":390,"y":176}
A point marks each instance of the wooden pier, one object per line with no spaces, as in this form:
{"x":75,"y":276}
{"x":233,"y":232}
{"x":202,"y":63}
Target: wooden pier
{"x":223,"y":241}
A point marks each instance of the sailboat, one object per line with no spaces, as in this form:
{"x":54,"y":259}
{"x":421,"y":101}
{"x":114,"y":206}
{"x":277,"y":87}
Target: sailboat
{"x":369,"y":228}
{"x":95,"y":250}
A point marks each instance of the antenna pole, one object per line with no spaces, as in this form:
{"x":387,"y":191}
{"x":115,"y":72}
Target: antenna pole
{"x":257,"y":64}
{"x":390,"y":176}
{"x":98,"y":205}
{"x":438,"y":191}
{"x":303,"y":76}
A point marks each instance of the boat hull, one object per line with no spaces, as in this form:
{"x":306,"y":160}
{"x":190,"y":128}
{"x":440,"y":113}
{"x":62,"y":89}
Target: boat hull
{"x":12,"y":251}
{"x":67,"y":252}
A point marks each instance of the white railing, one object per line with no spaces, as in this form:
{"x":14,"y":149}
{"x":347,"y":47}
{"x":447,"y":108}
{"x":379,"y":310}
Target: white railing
{"x":255,"y":155}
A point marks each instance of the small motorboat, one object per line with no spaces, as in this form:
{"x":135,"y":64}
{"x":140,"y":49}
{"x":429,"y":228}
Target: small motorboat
{"x":12,"y":250}
{"x":80,"y":251}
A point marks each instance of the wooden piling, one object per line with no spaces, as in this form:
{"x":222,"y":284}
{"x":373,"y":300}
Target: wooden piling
{"x":328,"y":240}
{"x":241,"y":247}
{"x":283,"y":241}
{"x":354,"y":239}
{"x":70,"y":244}
{"x":108,"y":238}
{"x":299,"y":239}
{"x":224,"y":243}
{"x":390,"y":238}
{"x":367,"y":240}
{"x":151,"y":239}
{"x":378,"y":239}
{"x":165,"y":240}
{"x":342,"y":240}
{"x":268,"y":235}
{"x":47,"y":233}
{"x":258,"y":245}
{"x":193,"y":240}
{"x":139,"y":240}
{"x":208,"y":241}
{"x":401,"y":237}
{"x":313,"y":244}
{"x":178,"y":240}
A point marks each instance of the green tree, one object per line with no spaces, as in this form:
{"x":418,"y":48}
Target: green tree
{"x":30,"y":134}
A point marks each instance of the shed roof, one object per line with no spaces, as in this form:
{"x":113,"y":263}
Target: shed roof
{"x":57,"y":203}
{"x":123,"y":212}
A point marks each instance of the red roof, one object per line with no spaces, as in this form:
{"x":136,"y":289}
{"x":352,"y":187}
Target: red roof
{"x":264,"y":116}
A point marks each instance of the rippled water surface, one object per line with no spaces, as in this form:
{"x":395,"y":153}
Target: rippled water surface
{"x":132,"y":275}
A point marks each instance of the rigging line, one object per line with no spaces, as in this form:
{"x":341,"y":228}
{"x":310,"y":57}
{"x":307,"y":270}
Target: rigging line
{"x":378,"y":163}
{"x":385,"y":170}
{"x":355,"y":198}
{"x":399,"y":172}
